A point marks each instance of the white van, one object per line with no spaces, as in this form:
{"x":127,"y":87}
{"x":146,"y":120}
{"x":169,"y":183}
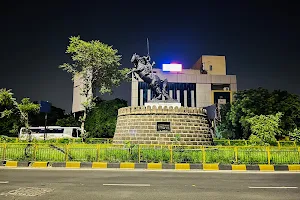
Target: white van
{"x":52,"y":132}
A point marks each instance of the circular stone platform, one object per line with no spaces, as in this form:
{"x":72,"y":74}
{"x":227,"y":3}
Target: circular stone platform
{"x":166,"y":126}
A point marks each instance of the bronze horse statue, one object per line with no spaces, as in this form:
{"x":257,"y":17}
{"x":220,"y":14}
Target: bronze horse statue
{"x":143,"y":68}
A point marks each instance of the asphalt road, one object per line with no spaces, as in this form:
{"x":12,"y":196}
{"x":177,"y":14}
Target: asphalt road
{"x":65,"y":184}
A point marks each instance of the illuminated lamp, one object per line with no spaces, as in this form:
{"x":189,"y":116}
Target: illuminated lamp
{"x":173,"y":67}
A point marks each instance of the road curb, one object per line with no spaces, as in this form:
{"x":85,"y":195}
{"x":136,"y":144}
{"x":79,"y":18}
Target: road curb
{"x":152,"y":166}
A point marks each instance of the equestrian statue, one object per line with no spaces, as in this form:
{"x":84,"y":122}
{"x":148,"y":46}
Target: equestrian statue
{"x":144,"y":69}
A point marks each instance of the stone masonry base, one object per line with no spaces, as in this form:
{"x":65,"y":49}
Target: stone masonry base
{"x":138,"y":125}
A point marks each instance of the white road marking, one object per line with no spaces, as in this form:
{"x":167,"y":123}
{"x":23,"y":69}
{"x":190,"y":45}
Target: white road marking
{"x":134,"y":185}
{"x":4,"y":182}
{"x":274,"y":187}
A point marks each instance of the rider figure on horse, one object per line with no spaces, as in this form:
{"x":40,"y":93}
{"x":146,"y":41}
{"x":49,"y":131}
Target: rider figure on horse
{"x":144,"y":69}
{"x":143,"y":64}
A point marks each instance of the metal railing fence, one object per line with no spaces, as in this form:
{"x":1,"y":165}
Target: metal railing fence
{"x":149,"y":153}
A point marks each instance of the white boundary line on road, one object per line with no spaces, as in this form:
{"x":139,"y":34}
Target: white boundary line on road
{"x":125,"y":184}
{"x":282,"y":187}
{"x":4,"y":182}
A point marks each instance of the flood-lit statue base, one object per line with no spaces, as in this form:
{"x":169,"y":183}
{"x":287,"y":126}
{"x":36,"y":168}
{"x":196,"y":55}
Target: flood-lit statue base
{"x":164,"y":126}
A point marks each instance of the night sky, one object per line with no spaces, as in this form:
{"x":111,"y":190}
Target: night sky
{"x":260,"y":41}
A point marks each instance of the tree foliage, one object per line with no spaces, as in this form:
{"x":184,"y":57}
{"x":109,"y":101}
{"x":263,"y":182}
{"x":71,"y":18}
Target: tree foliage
{"x":11,"y":109}
{"x":25,"y":108}
{"x":295,"y":135}
{"x":7,"y":102}
{"x":289,"y":105}
{"x":264,"y":128}
{"x":9,"y":126}
{"x":68,"y":121}
{"x":225,"y":129}
{"x":253,"y":102}
{"x":101,"y":121}
{"x":8,"y":117}
{"x":98,"y":66}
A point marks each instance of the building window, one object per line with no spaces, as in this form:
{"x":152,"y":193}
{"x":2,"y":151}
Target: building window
{"x":210,"y":67}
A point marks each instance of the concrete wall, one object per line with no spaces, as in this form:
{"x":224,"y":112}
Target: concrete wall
{"x":217,"y":63}
{"x":203,"y":95}
{"x":77,"y":97}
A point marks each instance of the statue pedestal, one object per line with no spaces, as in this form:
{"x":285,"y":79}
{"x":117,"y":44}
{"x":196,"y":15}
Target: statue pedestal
{"x":163,"y":103}
{"x":162,"y":126}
